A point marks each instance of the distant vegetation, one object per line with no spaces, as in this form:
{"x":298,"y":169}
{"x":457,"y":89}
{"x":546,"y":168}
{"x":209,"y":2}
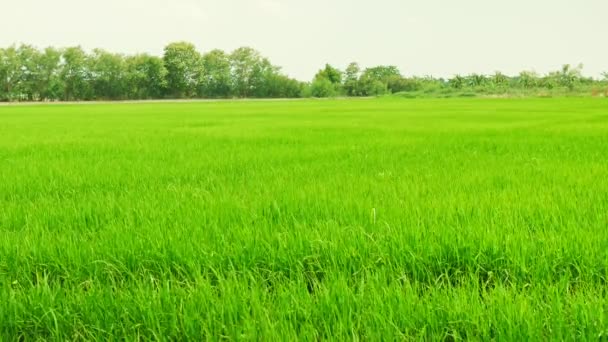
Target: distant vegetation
{"x":72,"y":74}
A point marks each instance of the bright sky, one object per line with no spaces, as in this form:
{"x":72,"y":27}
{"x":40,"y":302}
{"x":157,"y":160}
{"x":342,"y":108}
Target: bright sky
{"x":421,"y":37}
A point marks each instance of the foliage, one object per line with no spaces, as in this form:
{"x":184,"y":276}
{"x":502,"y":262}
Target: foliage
{"x":146,"y":77}
{"x":72,"y":74}
{"x":48,"y":84}
{"x":528,"y":79}
{"x":246,"y":64}
{"x":331,"y":74}
{"x":184,"y":69}
{"x":254,"y":76}
{"x":217,"y":77}
{"x":276,"y":85}
{"x":76,"y":75}
{"x":108,"y":75}
{"x":323,"y":87}
{"x":380,"y":80}
{"x":10,"y":74}
{"x":351,"y":80}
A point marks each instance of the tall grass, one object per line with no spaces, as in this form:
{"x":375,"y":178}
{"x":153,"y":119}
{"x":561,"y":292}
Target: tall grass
{"x":374,"y":219}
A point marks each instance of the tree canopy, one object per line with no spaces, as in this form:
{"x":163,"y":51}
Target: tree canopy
{"x":73,"y":74}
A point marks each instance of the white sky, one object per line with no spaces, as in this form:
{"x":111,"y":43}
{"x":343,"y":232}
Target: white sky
{"x":422,"y":37}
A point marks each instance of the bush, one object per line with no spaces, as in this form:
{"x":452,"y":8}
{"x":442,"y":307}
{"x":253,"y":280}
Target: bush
{"x":322,"y":88}
{"x":377,"y":88}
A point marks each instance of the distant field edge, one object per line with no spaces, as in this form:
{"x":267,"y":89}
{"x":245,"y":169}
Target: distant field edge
{"x":42,"y":103}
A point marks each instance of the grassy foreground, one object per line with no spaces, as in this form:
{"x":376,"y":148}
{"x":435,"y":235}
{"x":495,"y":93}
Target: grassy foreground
{"x":395,"y":219}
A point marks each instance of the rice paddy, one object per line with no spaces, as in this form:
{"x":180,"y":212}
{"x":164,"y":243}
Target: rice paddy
{"x":375,"y":219}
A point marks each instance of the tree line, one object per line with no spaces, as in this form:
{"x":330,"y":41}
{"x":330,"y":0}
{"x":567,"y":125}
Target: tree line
{"x":73,"y":74}
{"x":381,"y":80}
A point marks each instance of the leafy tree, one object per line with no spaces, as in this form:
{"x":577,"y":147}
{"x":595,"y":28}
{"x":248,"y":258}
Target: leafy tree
{"x":351,"y":80}
{"x":146,"y":77}
{"x":570,"y":77}
{"x":108,"y":75}
{"x":76,"y":75}
{"x":250,"y":72}
{"x":457,"y":82}
{"x":243,"y":66}
{"x":549,"y":81}
{"x":429,"y":84}
{"x":475,"y":80}
{"x":377,"y":88}
{"x":398,"y":83}
{"x":27,"y":78}
{"x":381,"y":73}
{"x":322,"y":87}
{"x":49,"y":84}
{"x":331,"y":74}
{"x":499,"y":80}
{"x":9,"y":73}
{"x":185,"y":69}
{"x":269,"y":82}
{"x":528,"y":79}
{"x":216,"y":80}
{"x":376,"y":80}
{"x":290,"y":87}
{"x":277,"y":85}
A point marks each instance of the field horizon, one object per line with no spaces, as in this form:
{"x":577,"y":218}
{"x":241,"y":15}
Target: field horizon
{"x":371,"y":218}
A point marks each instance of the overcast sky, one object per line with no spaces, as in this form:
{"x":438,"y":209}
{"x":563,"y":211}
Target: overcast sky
{"x":422,"y":37}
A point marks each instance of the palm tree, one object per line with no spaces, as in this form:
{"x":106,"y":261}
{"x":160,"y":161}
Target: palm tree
{"x":456,"y":82}
{"x":499,"y":79}
{"x":528,"y":79}
{"x":571,"y":76}
{"x":476,"y":80}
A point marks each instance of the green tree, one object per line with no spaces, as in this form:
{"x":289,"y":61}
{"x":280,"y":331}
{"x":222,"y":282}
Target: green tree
{"x":49,"y":84}
{"x":249,"y":72}
{"x":277,"y":85}
{"x":476,"y":80}
{"x":9,"y":73}
{"x":398,"y":83}
{"x":146,"y":77}
{"x":376,"y":80}
{"x":185,"y":69}
{"x":429,"y":84}
{"x":76,"y":75}
{"x":28,"y":74}
{"x":457,"y":82}
{"x":570,"y":77}
{"x":269,"y":81}
{"x":549,"y":81}
{"x":216,"y":80}
{"x":499,"y":80}
{"x":108,"y":75}
{"x":351,"y":80}
{"x":288,"y":87}
{"x":331,"y":74}
{"x":528,"y":79}
{"x":323,"y":87}
{"x":377,"y":88}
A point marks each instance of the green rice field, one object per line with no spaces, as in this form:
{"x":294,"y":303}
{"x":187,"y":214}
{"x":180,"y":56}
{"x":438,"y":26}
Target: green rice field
{"x":368,"y":219}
